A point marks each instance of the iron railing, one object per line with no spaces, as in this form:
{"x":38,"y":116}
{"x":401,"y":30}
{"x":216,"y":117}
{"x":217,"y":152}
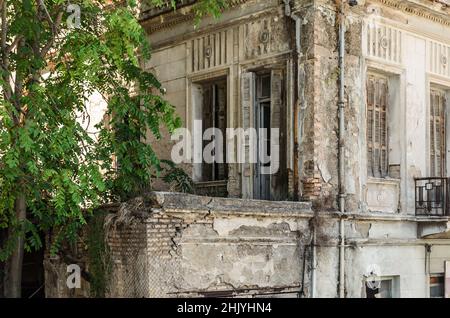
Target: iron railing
{"x":216,"y":189}
{"x":432,"y":196}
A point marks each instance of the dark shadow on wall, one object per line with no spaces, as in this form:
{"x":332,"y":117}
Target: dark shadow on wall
{"x":32,"y":272}
{"x":33,"y":275}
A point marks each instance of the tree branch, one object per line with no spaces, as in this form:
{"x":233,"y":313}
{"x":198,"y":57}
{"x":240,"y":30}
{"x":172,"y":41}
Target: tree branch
{"x":55,"y":29}
{"x":5,"y":60}
{"x":11,"y":47}
{"x":44,"y":8}
{"x":4,"y":27}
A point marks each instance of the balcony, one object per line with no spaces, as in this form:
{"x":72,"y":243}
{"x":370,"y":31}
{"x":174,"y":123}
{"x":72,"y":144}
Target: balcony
{"x":433,"y":207}
{"x":217,"y":189}
{"x":432,"y":197}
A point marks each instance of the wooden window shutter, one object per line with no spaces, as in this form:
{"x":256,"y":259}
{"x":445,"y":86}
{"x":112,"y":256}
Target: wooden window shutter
{"x":444,"y":135}
{"x":208,"y":112}
{"x":377,"y":128}
{"x":221,"y":123}
{"x":370,"y":120}
{"x":384,"y":166}
{"x":437,"y":133}
{"x":247,"y":109}
{"x":278,"y":179}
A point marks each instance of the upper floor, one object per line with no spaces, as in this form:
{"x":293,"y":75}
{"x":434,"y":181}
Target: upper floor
{"x":258,"y":67}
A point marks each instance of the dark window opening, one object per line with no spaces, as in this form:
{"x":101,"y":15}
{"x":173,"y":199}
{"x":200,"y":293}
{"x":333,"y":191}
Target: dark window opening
{"x":380,"y":289}
{"x":214,"y":115}
{"x":437,"y":286}
{"x":263,"y":125}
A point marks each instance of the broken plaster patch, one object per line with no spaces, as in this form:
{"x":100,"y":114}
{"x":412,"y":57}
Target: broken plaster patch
{"x":326,"y":175}
{"x":225,"y":226}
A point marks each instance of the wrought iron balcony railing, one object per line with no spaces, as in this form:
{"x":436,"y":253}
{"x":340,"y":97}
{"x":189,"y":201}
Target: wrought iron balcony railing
{"x":432,"y":196}
{"x":217,"y":189}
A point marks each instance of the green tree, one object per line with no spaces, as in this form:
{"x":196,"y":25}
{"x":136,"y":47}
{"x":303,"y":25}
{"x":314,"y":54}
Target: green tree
{"x":53,"y":172}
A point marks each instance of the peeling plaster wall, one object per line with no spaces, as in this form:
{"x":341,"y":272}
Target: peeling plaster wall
{"x":383,"y":230}
{"x":197,"y":246}
{"x":413,"y":72}
{"x":184,"y":57}
{"x":391,"y":245}
{"x":176,"y":245}
{"x":224,"y":246}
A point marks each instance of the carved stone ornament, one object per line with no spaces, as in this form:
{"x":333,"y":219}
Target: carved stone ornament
{"x":384,"y":43}
{"x":264,"y":36}
{"x":444,"y":61}
{"x":208,"y":52}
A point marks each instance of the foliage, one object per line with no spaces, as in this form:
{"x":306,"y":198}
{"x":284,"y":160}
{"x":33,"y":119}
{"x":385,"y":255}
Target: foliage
{"x":202,"y":8}
{"x":98,"y":256}
{"x":48,"y":68}
{"x":177,"y":178}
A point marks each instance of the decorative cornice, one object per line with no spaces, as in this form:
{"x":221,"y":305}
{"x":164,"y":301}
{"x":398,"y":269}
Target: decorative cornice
{"x":420,"y":9}
{"x":151,"y":11}
{"x":166,"y":19}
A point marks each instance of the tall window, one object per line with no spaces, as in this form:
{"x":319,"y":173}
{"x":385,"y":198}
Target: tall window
{"x":437,"y":133}
{"x":377,"y":128}
{"x":264,"y":109}
{"x":215,"y":116}
{"x":263,"y":124}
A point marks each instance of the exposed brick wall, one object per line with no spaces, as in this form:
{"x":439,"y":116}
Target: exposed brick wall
{"x":180,"y":248}
{"x":184,"y":245}
{"x":128,"y":250}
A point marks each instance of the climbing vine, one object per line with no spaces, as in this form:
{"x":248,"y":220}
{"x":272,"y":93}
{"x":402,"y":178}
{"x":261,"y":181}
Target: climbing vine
{"x":99,"y":262}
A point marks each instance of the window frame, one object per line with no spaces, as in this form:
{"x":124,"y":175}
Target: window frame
{"x":395,"y":285}
{"x":437,"y":276}
{"x":195,"y":109}
{"x":213,"y":87}
{"x":444,"y":158}
{"x":262,"y":101}
{"x":385,"y":173}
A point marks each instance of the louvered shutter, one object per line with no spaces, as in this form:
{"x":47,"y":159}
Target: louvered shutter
{"x":370,"y":126}
{"x":208,"y":93}
{"x":437,"y":134}
{"x":222,"y":124}
{"x":278,"y":179}
{"x":247,"y":108}
{"x":377,"y":130}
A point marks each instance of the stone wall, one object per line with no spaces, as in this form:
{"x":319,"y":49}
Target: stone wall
{"x":177,"y":245}
{"x":173,"y":245}
{"x":195,"y":246}
{"x":409,"y":32}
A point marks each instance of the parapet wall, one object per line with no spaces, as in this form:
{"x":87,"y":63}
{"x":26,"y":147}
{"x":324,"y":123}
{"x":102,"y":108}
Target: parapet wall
{"x":172,"y":245}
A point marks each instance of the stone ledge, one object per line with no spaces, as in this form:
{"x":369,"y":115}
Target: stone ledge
{"x":382,"y":216}
{"x":186,"y":203}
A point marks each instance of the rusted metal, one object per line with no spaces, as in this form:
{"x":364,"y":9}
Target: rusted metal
{"x":239,"y":292}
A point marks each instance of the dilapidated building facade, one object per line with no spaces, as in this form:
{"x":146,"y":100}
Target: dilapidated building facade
{"x":362,"y":187}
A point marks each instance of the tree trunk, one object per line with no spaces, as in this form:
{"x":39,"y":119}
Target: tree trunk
{"x":13,"y":266}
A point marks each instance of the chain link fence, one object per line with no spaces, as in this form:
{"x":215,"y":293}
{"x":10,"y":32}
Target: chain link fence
{"x":143,"y":252}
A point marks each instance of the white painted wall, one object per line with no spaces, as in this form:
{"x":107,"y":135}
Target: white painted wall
{"x":412,"y":53}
